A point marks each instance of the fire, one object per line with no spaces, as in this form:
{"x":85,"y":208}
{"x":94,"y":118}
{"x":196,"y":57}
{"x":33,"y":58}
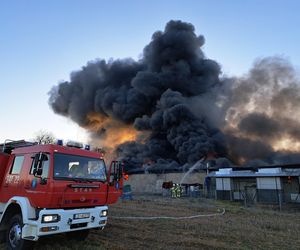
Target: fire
{"x":111,"y":132}
{"x":95,"y":121}
{"x":116,"y":136}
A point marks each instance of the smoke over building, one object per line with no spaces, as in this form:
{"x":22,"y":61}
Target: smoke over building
{"x":173,"y":107}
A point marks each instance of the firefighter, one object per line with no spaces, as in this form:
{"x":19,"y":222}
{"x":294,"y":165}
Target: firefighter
{"x":178,"y":190}
{"x":173,"y":190}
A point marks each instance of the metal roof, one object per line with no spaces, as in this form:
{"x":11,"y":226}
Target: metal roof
{"x":249,"y":174}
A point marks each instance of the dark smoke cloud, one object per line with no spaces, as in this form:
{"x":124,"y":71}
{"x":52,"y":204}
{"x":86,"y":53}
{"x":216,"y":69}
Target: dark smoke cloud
{"x":263,"y":107}
{"x":247,"y":149}
{"x":187,"y":135}
{"x":175,"y":96}
{"x":101,"y":87}
{"x":151,"y":94}
{"x":259,"y":124}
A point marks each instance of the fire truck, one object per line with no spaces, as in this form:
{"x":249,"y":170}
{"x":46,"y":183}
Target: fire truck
{"x":51,"y":189}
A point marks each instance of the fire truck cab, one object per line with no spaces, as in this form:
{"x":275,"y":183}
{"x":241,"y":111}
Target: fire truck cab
{"x":51,"y":189}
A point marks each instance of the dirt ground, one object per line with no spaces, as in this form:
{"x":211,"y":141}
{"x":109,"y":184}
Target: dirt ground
{"x":238,"y":228}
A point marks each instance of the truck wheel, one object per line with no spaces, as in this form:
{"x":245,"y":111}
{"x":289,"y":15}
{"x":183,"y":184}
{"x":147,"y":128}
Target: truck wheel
{"x":78,"y":235}
{"x":14,"y":239}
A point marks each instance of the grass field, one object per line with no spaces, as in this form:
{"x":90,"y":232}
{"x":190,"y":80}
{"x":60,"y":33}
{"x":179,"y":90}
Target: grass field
{"x":238,"y":228}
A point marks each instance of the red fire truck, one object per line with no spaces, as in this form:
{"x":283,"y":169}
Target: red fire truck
{"x":51,"y":189}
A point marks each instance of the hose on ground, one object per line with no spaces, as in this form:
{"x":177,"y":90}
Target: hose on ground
{"x":168,"y":217}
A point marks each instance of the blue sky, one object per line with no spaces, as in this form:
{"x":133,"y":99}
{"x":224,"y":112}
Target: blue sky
{"x":41,"y":42}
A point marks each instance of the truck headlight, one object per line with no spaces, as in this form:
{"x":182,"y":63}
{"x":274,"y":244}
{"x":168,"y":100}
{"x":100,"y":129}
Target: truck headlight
{"x":103,"y":213}
{"x":50,"y":218}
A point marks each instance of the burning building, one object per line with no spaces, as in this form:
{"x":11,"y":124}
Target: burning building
{"x":173,"y":106}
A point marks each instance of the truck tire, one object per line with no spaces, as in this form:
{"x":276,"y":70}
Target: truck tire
{"x":78,"y":235}
{"x":14,"y":240}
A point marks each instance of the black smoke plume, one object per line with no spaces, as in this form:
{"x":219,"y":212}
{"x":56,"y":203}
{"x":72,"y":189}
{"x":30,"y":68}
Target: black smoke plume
{"x":180,"y":105}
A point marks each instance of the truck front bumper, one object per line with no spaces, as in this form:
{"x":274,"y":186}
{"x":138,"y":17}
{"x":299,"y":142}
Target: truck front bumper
{"x":69,"y":220}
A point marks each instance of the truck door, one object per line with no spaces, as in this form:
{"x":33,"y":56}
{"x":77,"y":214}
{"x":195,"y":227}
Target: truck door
{"x":115,"y":182}
{"x":11,"y":184}
{"x":36,"y":183}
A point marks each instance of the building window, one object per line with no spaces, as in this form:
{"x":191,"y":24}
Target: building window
{"x":17,"y":165}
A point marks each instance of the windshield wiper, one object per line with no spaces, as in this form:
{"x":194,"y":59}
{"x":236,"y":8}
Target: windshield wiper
{"x":79,"y":179}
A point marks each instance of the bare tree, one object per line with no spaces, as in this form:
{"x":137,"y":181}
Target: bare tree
{"x":44,"y":137}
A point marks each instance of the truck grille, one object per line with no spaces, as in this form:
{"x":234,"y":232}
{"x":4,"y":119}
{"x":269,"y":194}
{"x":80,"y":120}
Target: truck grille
{"x":81,"y":201}
{"x":78,"y":225}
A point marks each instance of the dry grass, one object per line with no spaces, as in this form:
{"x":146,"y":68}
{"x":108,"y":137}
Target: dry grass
{"x":239,"y":228}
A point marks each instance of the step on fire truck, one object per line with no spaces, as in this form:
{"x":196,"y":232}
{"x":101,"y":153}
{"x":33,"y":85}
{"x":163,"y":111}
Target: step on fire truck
{"x":51,"y":189}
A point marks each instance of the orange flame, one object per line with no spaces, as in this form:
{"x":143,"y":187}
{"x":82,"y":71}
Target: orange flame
{"x":95,"y":121}
{"x":116,"y":132}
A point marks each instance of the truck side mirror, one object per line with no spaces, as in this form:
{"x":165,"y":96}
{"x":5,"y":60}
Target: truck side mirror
{"x":115,"y":172}
{"x":112,"y":175}
{"x":38,"y":163}
{"x":111,"y":178}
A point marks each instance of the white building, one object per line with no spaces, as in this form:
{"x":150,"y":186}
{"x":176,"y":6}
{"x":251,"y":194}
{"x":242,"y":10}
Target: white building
{"x":262,"y":184}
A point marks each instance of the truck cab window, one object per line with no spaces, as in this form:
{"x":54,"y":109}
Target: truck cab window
{"x":17,"y":165}
{"x":74,"y":166}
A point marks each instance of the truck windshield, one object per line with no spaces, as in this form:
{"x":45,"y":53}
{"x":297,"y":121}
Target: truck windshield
{"x":76,"y":167}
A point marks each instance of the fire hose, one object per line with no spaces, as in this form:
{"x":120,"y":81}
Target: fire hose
{"x":169,"y":217}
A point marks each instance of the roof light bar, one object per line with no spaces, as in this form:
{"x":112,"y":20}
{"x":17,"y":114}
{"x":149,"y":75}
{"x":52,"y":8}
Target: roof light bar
{"x":74,"y":144}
